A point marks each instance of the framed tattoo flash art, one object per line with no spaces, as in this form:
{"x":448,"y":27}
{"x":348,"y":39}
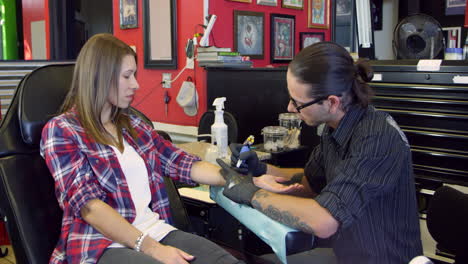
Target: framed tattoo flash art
{"x":295,"y":4}
{"x":249,"y":33}
{"x":309,"y":38}
{"x":128,"y":14}
{"x":282,"y":38}
{"x":267,"y":2}
{"x":455,"y":7}
{"x":243,"y":1}
{"x":319,"y":14}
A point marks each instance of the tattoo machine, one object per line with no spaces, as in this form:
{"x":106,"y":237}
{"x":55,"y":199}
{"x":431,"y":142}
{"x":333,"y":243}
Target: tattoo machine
{"x":245,"y":147}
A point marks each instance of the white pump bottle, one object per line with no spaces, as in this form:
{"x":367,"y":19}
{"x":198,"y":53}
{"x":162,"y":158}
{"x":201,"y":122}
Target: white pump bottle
{"x":219,"y":128}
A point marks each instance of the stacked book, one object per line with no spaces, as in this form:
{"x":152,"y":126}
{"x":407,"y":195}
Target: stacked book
{"x":220,"y":57}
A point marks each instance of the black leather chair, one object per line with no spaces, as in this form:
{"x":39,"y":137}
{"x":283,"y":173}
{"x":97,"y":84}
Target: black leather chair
{"x":27,"y":196}
{"x":447,"y":222}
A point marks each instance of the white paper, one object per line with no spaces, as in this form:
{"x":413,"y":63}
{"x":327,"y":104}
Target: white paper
{"x":429,"y":65}
{"x":460,"y":79}
{"x":377,"y":77}
{"x":200,"y":194}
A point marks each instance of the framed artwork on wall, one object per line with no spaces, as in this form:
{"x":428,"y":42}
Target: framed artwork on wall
{"x":452,"y":36}
{"x":282,"y":38}
{"x":160,"y":34}
{"x":376,"y":14}
{"x":319,"y":14}
{"x":344,"y":26}
{"x":128,"y":14}
{"x":309,"y":38}
{"x":455,"y":7}
{"x":295,"y":4}
{"x":243,"y":1}
{"x":267,"y":2}
{"x":343,"y":12}
{"x":249,"y":33}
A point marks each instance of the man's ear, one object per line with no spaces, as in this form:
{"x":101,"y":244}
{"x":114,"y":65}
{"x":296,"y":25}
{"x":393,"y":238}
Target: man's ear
{"x":335,"y":104}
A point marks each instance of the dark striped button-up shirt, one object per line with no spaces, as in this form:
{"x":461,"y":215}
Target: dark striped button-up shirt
{"x":363,"y":174}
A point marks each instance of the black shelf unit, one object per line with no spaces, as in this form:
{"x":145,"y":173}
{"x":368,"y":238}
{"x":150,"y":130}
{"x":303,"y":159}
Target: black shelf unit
{"x":431,"y":107}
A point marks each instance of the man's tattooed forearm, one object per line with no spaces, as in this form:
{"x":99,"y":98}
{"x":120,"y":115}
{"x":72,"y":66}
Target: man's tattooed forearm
{"x":284,"y":217}
{"x":261,"y":194}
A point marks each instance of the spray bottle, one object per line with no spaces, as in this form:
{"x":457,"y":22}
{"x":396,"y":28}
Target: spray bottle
{"x":219,"y":128}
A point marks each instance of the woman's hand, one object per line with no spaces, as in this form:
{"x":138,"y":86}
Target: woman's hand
{"x":166,"y":254}
{"x":274,"y":184}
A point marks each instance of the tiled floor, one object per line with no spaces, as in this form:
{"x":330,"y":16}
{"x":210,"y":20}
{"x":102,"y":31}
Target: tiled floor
{"x":10,"y":258}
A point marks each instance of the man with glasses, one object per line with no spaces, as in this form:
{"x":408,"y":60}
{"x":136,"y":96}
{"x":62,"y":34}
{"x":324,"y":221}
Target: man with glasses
{"x":358,"y":188}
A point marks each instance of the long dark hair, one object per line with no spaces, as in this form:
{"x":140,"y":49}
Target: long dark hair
{"x":330,"y":70}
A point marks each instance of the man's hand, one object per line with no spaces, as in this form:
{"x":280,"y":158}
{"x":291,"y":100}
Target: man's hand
{"x":239,"y":188}
{"x":275,"y":184}
{"x":250,"y":162}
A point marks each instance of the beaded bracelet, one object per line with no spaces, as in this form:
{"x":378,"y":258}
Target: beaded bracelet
{"x":139,"y":241}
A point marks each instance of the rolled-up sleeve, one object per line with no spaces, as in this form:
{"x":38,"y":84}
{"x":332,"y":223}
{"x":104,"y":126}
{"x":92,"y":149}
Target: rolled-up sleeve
{"x":372,"y":170}
{"x":75,"y":182}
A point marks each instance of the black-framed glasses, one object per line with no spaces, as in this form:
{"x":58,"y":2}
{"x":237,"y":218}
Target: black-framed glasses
{"x":298,"y":108}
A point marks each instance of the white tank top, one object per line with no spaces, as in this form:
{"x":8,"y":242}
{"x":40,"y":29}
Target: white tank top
{"x":136,"y":175}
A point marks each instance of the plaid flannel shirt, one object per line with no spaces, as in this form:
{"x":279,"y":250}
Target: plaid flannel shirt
{"x":84,"y":170}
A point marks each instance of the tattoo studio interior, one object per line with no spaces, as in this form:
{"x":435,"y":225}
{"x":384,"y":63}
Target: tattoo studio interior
{"x":234,"y":131}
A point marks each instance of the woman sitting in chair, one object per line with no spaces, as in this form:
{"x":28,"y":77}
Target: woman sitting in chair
{"x":108,"y":167}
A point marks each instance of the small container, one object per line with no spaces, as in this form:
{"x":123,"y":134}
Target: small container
{"x":273,"y":138}
{"x":289,"y":120}
{"x":453,"y":54}
{"x":292,"y":122}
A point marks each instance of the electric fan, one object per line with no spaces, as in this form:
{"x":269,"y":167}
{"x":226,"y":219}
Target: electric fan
{"x":418,"y":36}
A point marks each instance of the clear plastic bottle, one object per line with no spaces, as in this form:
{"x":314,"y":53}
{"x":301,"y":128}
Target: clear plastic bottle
{"x":219,"y":128}
{"x":211,"y":154}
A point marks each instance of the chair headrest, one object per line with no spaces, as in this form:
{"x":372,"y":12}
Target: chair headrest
{"x":41,"y":93}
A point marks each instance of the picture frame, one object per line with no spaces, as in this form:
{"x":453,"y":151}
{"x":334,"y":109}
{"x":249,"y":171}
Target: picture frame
{"x":282,"y":38}
{"x":294,"y":4}
{"x":242,"y":1}
{"x":267,"y":2}
{"x":344,"y":10}
{"x":309,"y":38}
{"x":128,"y":14}
{"x":344,"y":25}
{"x":319,"y":14}
{"x":160,"y":34}
{"x":452,"y":36}
{"x":376,"y":14}
{"x":455,"y":7}
{"x":249,"y":32}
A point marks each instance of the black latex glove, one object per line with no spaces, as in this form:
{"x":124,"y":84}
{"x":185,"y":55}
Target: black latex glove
{"x":239,"y":188}
{"x":250,"y":162}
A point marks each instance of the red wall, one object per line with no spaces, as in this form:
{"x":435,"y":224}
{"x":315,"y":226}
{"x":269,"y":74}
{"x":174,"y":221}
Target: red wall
{"x":223,"y":29}
{"x":34,"y":10}
{"x":149,"y":97}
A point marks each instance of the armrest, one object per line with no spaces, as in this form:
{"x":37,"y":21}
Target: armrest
{"x":282,"y":239}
